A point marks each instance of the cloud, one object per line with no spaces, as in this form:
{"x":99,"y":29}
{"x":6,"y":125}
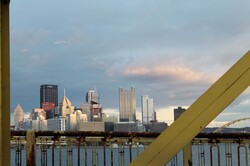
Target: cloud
{"x":38,"y":36}
{"x":24,"y":50}
{"x":60,"y":42}
{"x":165,"y":114}
{"x":237,"y":124}
{"x":161,"y":69}
{"x":111,"y":111}
{"x":215,"y":123}
{"x":245,"y":102}
{"x":38,"y":61}
{"x":177,"y":73}
{"x":169,"y":50}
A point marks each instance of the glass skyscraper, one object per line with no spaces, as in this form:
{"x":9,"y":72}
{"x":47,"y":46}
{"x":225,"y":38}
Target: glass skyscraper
{"x":127,"y":105}
{"x":49,"y":93}
{"x":148,"y":113}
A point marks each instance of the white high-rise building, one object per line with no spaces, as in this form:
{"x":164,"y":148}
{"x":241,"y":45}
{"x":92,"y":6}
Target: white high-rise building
{"x":18,"y":116}
{"x":127,"y":105}
{"x":56,"y":124}
{"x":148,"y":113}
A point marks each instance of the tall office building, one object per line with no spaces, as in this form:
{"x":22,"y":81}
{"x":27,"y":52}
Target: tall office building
{"x":92,"y":108}
{"x":18,"y":116}
{"x":66,"y":107}
{"x":49,"y":94}
{"x":92,"y":97}
{"x":177,"y":112}
{"x":148,"y":113}
{"x":127,"y":105}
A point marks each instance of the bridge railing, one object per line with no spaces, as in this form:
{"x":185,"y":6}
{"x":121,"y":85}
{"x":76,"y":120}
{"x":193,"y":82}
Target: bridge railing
{"x":117,"y":148}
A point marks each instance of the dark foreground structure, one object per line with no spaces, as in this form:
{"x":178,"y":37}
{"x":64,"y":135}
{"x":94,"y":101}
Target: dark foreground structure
{"x":120,"y":148}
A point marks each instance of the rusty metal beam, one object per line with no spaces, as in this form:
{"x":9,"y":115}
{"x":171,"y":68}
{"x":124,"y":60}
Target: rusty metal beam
{"x":30,"y":148}
{"x":15,"y":133}
{"x":4,"y":84}
{"x":88,"y":134}
{"x":198,"y":115}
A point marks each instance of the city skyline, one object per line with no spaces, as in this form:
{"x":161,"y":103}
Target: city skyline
{"x":92,"y":97}
{"x":172,"y":51}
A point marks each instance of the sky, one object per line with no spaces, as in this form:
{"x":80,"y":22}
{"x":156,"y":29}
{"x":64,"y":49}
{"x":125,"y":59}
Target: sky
{"x":171,"y":50}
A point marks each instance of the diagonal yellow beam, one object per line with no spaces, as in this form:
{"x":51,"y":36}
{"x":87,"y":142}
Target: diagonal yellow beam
{"x":4,"y":84}
{"x":198,"y":115}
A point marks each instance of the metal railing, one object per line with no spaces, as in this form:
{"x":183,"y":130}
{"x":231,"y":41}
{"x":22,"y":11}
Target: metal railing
{"x":117,"y":148}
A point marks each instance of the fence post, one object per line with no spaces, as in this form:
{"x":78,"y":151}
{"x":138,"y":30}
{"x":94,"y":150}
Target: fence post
{"x":30,"y":148}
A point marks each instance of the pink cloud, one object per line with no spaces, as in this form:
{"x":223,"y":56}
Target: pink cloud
{"x":182,"y":73}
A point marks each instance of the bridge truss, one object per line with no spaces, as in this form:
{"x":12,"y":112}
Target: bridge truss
{"x":229,"y":124}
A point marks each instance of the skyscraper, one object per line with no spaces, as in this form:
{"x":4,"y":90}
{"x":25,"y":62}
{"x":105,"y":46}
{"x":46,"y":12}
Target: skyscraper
{"x":49,"y":93}
{"x":127,"y":105}
{"x":92,"y":97}
{"x":148,"y":113}
{"x":177,"y":112}
{"x":66,"y":107}
{"x":92,"y":107}
{"x":18,"y":116}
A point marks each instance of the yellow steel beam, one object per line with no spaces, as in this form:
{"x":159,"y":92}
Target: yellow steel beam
{"x":198,"y":115}
{"x":4,"y":84}
{"x":187,"y":154}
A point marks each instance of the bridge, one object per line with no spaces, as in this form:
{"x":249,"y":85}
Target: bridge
{"x":230,"y":123}
{"x":167,"y":145}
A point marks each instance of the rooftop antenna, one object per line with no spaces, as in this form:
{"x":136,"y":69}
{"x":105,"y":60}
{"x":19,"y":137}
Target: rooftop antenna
{"x":96,"y":90}
{"x":64,"y":92}
{"x":97,"y":93}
